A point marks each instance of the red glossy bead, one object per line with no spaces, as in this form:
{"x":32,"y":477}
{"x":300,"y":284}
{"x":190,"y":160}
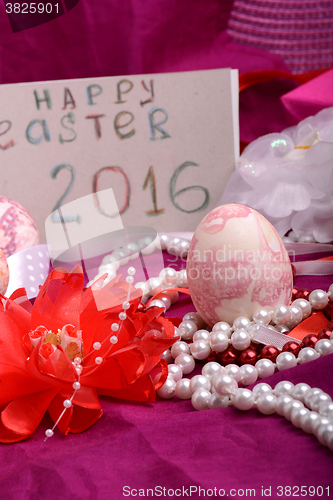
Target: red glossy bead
{"x":325,"y":333}
{"x":328,"y":310}
{"x":292,"y":347}
{"x":229,"y":356}
{"x":256,"y":347}
{"x":330,"y":325}
{"x":303,"y":294}
{"x":248,"y":357}
{"x":294,"y":293}
{"x":270,"y":352}
{"x":211,"y":357}
{"x":310,"y":340}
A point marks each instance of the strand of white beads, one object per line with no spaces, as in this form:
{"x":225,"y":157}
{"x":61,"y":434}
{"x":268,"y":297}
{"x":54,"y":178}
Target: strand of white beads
{"x":113,"y":339}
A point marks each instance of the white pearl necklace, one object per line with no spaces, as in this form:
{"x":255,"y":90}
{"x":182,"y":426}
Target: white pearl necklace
{"x":217,"y":386}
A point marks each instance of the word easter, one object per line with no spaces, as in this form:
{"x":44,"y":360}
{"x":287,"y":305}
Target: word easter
{"x":164,"y":143}
{"x":38,"y":130}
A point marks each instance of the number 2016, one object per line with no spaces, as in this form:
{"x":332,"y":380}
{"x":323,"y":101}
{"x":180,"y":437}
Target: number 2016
{"x":149,"y":180}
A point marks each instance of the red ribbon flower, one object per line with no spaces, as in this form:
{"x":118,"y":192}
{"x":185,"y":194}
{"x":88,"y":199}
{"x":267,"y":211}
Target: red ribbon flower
{"x":66,"y":337}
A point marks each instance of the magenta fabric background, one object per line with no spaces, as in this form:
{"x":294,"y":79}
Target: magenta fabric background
{"x":121,"y":37}
{"x":167,"y":443}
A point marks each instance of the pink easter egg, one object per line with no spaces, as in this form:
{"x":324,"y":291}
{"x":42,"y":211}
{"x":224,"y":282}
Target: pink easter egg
{"x":4,"y":273}
{"x":236,"y":264}
{"x":18,"y":230}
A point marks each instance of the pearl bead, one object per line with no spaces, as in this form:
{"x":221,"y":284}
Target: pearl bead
{"x":114,"y":327}
{"x":308,"y":354}
{"x":262,"y":388}
{"x":243,"y":399}
{"x":176,"y":332}
{"x":317,"y":423}
{"x":179,"y":347}
{"x":223,"y":327}
{"x":304,"y":305}
{"x":168,"y":389}
{"x":49,"y":433}
{"x":324,"y":347}
{"x":67,"y":403}
{"x":144,"y":287}
{"x":225,"y":385}
{"x":183,"y":389}
{"x":217,"y":401}
{"x":249,"y":374}
{"x":281,"y":402}
{"x":164,"y":241}
{"x":318,"y":299}
{"x":202,"y":335}
{"x":285,"y":360}
{"x":212,"y":369}
{"x":310,"y":393}
{"x":76,"y":386}
{"x":194,"y":316}
{"x":242,"y":322}
{"x":283,"y":388}
{"x":282,"y":329}
{"x":296,"y":416}
{"x":122,"y":316}
{"x":266,"y":403}
{"x":219,"y":341}
{"x":307,"y":421}
{"x":265,"y":368}
{"x":329,"y":441}
{"x":97,"y":346}
{"x":233,"y":371}
{"x":281,"y":315}
{"x":323,"y":432}
{"x":296,"y":316}
{"x":157,"y":303}
{"x":171,"y":294}
{"x":110,"y":260}
{"x":317,"y":399}
{"x":200,"y":349}
{"x":262,"y":317}
{"x":240,"y":340}
{"x":154,"y":285}
{"x":165,"y":299}
{"x":186,"y":362}
{"x":175,"y":372}
{"x":129,"y":279}
{"x":326,"y":409}
{"x":166,"y":355}
{"x":187,"y":329}
{"x":199,"y":382}
{"x":299,"y":391}
{"x":169,"y":276}
{"x":182,"y":279}
{"x":200,"y":399}
{"x":131,"y":270}
{"x":288,"y":408}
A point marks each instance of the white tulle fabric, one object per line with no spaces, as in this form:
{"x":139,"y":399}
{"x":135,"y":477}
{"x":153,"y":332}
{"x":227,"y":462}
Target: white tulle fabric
{"x":287,"y":181}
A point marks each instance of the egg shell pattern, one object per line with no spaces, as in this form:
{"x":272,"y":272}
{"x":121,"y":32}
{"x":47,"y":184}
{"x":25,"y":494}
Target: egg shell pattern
{"x":4,"y":273}
{"x":236,"y":264}
{"x":18,"y":230}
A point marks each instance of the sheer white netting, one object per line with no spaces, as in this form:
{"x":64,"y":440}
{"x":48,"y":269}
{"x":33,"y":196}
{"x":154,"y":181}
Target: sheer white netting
{"x":288,"y":178}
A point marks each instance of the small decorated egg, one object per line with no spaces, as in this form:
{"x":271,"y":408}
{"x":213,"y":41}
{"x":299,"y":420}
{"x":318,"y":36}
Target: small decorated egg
{"x":4,"y":273}
{"x":18,"y":230}
{"x":236,"y":264}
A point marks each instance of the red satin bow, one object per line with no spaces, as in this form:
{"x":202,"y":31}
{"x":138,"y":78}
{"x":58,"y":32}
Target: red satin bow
{"x":37,"y":372}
